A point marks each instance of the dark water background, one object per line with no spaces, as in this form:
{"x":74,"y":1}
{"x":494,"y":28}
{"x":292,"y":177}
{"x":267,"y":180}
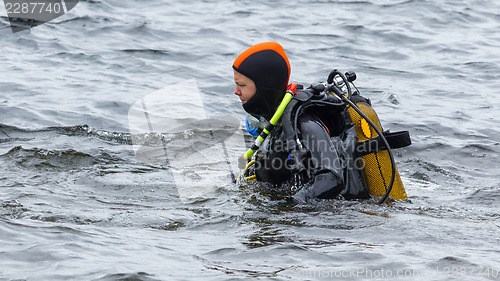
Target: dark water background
{"x":75,"y":204}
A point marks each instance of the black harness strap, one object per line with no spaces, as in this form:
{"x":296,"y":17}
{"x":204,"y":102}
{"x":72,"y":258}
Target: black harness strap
{"x":395,"y":140}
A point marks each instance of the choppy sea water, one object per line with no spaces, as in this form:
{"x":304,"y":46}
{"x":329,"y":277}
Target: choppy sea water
{"x":76,"y":204}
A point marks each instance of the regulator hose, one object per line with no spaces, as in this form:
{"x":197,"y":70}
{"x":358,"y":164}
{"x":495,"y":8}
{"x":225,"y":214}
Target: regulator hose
{"x":333,"y":87}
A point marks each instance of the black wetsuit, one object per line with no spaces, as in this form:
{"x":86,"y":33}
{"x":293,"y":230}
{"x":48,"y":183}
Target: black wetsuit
{"x":330,"y":139}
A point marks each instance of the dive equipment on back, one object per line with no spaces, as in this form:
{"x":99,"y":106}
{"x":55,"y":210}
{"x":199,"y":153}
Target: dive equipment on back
{"x":354,"y":125}
{"x":376,"y":169}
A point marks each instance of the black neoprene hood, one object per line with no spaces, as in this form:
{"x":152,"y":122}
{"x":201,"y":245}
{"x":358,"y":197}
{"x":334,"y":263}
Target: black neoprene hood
{"x":268,"y":67}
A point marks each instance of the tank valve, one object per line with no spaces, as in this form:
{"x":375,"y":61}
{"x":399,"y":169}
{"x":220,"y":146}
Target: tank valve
{"x":351,"y":76}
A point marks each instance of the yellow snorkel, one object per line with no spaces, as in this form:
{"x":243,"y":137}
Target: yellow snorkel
{"x":242,"y":163}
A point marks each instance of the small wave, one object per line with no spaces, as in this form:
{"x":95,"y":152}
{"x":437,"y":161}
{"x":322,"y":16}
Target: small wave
{"x":11,"y":133}
{"x":242,"y":14}
{"x":140,"y":276}
{"x":85,"y":130}
{"x":77,"y":56}
{"x":15,"y":140}
{"x":479,"y":147}
{"x":48,"y":159}
{"x":352,"y":2}
{"x":451,"y":261}
{"x":181,"y":56}
{"x":396,"y":4}
{"x":169,"y":226}
{"x":60,"y":218}
{"x":153,"y":51}
{"x":12,"y":209}
{"x":485,"y":196}
{"x":432,"y":168}
{"x":7,"y":128}
{"x":149,"y":53}
{"x":77,"y":19}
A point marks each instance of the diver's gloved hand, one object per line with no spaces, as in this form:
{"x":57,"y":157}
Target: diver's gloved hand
{"x":325,"y":186}
{"x":299,"y":155}
{"x":242,"y":162}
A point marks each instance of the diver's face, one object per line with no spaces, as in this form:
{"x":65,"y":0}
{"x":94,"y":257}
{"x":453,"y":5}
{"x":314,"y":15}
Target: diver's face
{"x":245,"y":87}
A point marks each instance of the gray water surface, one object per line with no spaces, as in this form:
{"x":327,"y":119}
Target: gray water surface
{"x":76,"y":204}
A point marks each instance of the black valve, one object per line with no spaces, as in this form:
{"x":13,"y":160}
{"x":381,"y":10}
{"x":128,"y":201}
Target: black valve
{"x":351,"y":76}
{"x":317,"y":88}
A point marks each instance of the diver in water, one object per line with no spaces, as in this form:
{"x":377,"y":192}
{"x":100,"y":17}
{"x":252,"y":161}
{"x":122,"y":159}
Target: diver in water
{"x":321,"y":160}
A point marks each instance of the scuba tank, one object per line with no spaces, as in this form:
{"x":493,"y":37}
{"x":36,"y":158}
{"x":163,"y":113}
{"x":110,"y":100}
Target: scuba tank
{"x":380,"y":174}
{"x":377,"y":165}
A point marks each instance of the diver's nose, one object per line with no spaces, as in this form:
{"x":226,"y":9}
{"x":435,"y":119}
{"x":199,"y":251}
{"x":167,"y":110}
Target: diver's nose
{"x":237,"y":91}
